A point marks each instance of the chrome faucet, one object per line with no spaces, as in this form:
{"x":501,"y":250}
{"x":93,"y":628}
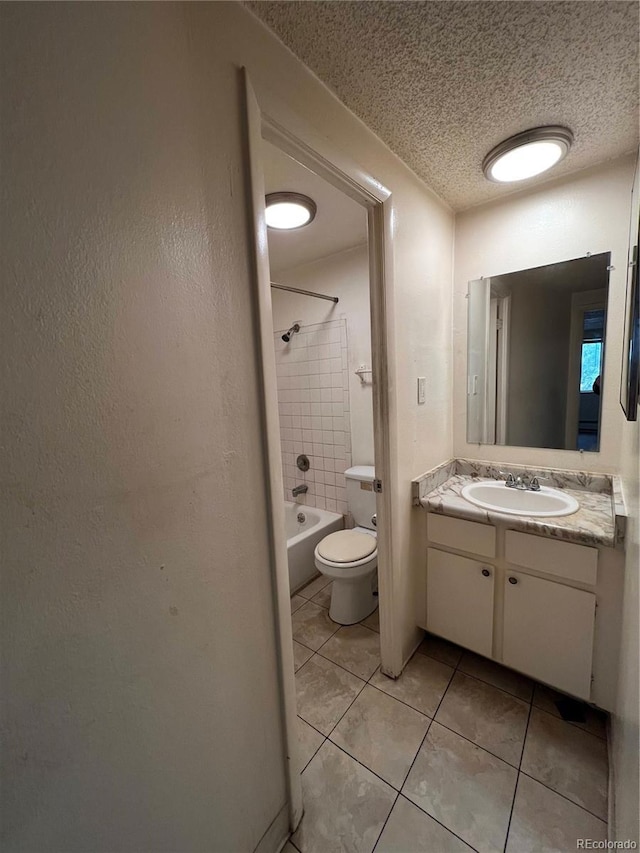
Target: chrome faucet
{"x":523,"y":482}
{"x":299,"y":490}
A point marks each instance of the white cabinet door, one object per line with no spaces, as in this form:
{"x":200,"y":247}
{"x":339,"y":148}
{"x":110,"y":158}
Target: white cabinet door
{"x":548,"y":632}
{"x":460,"y":600}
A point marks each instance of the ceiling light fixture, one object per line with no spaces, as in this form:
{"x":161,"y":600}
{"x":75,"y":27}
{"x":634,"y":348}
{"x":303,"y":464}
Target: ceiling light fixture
{"x":286,"y":211}
{"x":527,"y":154}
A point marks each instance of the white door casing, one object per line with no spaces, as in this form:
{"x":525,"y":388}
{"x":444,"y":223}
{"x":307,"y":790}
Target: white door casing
{"x":285,"y":130}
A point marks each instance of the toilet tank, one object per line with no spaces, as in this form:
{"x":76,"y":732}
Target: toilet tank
{"x":361,"y":499}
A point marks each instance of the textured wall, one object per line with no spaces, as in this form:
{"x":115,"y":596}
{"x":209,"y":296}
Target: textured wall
{"x":143,"y":710}
{"x":557,"y":222}
{"x":626,"y":720}
{"x":138,"y":635}
{"x":418,"y":304}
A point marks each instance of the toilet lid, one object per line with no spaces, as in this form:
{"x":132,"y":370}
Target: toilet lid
{"x":347,"y":546}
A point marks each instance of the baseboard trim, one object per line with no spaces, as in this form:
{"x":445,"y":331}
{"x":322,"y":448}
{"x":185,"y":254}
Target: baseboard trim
{"x":277,"y":834}
{"x":611,"y":800}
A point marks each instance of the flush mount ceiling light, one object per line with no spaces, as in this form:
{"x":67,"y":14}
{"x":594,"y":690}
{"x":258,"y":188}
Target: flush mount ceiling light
{"x":287,"y":210}
{"x":527,"y":154}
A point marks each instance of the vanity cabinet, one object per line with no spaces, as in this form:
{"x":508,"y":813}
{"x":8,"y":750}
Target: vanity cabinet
{"x":460,"y":600}
{"x":548,"y":632}
{"x":526,"y":601}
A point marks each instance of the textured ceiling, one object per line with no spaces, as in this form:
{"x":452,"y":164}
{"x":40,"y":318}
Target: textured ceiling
{"x":443,"y":82}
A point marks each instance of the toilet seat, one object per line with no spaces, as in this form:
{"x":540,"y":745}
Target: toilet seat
{"x":350,"y":542}
{"x":350,"y":559}
{"x":346,"y":546}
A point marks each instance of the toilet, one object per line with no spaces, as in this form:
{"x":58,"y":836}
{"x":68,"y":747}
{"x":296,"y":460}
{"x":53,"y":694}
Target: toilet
{"x":350,"y":557}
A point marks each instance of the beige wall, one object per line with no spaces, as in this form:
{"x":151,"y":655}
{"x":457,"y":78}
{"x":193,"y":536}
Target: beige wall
{"x":138,"y":631}
{"x":537,"y":387}
{"x":419,"y":303}
{"x":138,"y":627}
{"x":626,"y":721}
{"x":565,"y":219}
{"x":345,"y":275}
{"x":558,"y":221}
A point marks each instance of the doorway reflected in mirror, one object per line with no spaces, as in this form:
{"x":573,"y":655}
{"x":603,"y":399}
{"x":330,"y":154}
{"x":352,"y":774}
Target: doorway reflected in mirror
{"x":536,"y":350}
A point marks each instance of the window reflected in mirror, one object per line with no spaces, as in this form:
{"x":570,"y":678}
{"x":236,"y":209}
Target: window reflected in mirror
{"x":535,"y":355}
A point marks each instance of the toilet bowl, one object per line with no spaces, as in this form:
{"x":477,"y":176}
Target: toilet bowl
{"x":350,"y":557}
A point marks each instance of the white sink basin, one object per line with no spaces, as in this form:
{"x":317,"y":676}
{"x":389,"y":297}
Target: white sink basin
{"x":493,"y":495}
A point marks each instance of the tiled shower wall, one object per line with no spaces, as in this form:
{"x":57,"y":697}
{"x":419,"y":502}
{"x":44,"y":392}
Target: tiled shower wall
{"x":313,"y":400}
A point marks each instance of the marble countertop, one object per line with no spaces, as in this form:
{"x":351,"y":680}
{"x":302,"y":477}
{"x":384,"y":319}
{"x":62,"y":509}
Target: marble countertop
{"x":596,"y":522}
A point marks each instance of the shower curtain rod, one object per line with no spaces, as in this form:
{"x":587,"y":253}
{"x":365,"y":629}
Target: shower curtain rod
{"x":304,"y":292}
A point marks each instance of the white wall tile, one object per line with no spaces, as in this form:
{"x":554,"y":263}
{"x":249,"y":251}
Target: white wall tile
{"x":313,"y":402}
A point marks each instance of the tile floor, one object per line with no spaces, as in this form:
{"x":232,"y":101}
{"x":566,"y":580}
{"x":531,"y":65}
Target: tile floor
{"x":458,"y":754}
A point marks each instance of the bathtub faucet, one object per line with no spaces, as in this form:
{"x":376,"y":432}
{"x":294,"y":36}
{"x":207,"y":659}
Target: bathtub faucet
{"x":299,"y":490}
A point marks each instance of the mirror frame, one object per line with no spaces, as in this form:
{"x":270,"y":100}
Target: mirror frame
{"x":630,"y":375}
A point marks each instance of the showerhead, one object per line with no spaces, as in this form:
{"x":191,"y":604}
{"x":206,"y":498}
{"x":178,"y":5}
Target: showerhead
{"x":291,"y":332}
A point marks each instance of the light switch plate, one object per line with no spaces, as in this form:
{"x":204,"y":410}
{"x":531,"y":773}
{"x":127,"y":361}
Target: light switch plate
{"x":422,"y":390}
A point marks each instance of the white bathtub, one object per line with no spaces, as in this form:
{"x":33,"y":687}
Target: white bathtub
{"x":302,"y":538}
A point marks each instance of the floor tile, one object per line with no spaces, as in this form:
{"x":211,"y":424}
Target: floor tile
{"x":312,"y":626}
{"x":421,"y":685}
{"x":323,"y":598}
{"x":489,"y":717}
{"x":570,"y":761}
{"x":381,"y":733}
{"x":497,"y":675}
{"x":301,"y":655}
{"x":410,"y":830}
{"x":440,"y":649}
{"x":324,"y":692}
{"x":464,"y":787}
{"x":595,"y":722}
{"x":345,"y":805}
{"x":373,"y":621}
{"x":356,"y":648}
{"x":314,"y":587}
{"x":309,"y":742}
{"x":296,"y":602}
{"x":545,"y":822}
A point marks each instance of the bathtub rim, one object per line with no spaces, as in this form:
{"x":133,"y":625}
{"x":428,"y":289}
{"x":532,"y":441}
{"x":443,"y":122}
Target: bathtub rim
{"x":326,"y":516}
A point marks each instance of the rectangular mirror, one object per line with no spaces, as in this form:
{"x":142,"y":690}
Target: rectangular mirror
{"x":535,"y":355}
{"x":629,"y":379}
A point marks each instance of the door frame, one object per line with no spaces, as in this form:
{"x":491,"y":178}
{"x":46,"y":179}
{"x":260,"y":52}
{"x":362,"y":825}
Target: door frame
{"x":296,"y":138}
{"x":581,"y":302}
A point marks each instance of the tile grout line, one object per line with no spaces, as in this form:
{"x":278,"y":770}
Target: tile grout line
{"x":364,"y":766}
{"x":386,"y":820}
{"x":564,"y":797}
{"x":431,"y":721}
{"x":530,"y":701}
{"x":456,"y":668}
{"x":515,"y":790}
{"x":518,"y":768}
{"x":453,"y":731}
{"x":355,"y":697}
{"x":572,"y":724}
{"x":398,"y":790}
{"x":495,"y":686}
{"x":327,"y":737}
{"x":469,"y":741}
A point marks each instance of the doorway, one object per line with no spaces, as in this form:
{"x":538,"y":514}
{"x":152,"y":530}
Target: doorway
{"x":314,"y":154}
{"x":586,"y":367}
